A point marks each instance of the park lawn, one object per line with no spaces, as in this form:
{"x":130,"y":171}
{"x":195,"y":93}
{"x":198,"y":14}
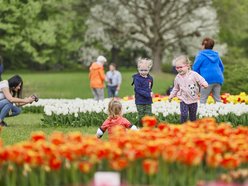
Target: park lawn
{"x":20,"y":128}
{"x":76,"y":84}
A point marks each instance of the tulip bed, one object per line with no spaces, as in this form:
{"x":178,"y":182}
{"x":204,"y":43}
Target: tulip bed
{"x":157,"y":154}
{"x":87,"y":112}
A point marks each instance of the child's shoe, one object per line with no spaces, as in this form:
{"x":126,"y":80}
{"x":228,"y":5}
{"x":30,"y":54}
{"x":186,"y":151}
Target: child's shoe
{"x":3,"y":124}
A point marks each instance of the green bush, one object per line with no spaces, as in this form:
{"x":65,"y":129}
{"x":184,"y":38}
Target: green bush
{"x":167,"y":68}
{"x":235,"y":74}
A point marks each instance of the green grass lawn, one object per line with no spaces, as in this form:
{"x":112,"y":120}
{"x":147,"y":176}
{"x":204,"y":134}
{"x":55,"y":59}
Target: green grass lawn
{"x":63,"y":85}
{"x":76,"y":84}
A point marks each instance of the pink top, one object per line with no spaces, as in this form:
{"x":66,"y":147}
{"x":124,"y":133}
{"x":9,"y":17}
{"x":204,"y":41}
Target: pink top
{"x":186,"y":87}
{"x":110,"y":123}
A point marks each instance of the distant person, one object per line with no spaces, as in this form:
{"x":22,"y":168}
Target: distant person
{"x":97,"y":78}
{"x":115,"y":119}
{"x":1,"y":67}
{"x":113,"y":78}
{"x":10,"y":93}
{"x":143,"y":83}
{"x":186,"y":88}
{"x":209,"y":65}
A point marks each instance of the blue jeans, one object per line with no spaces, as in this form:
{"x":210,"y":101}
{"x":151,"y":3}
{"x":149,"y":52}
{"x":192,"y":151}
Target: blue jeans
{"x":112,"y":91}
{"x":6,"y":106}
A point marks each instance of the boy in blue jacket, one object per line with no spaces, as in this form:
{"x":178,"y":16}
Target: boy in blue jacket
{"x":209,"y":65}
{"x":143,"y":82}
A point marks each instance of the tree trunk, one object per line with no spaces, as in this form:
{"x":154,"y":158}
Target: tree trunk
{"x":157,"y":55}
{"x":114,"y":55}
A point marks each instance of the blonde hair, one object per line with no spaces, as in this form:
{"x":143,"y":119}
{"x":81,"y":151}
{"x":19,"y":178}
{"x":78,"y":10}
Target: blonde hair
{"x":183,"y":58}
{"x":114,"y":108}
{"x":144,"y":61}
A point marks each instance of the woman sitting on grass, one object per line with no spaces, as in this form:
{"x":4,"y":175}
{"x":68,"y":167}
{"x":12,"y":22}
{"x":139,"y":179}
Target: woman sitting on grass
{"x":114,"y":119}
{"x":10,"y":92}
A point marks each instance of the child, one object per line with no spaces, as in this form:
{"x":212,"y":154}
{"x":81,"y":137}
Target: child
{"x":114,"y":119}
{"x":143,"y":82}
{"x":186,"y":88}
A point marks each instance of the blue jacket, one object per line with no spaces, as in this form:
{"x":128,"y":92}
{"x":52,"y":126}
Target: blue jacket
{"x":142,"y":89}
{"x":209,"y":65}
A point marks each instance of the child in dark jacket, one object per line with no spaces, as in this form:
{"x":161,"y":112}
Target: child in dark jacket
{"x":143,"y":82}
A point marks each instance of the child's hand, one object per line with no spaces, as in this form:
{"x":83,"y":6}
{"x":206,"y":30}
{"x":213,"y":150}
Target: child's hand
{"x":204,"y":86}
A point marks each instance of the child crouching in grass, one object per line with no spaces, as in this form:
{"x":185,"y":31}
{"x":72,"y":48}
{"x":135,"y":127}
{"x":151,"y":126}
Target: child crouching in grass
{"x":115,"y":119}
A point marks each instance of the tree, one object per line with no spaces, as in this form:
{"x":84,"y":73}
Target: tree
{"x":233,"y":31}
{"x":41,"y":32}
{"x":156,"y":25}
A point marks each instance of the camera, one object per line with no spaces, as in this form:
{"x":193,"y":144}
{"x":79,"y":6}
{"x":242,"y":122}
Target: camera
{"x":35,"y":98}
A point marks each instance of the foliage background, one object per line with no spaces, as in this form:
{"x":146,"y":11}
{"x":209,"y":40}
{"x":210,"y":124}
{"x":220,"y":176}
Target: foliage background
{"x":50,"y":35}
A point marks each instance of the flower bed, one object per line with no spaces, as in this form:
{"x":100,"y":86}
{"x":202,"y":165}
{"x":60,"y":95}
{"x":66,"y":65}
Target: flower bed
{"x":37,"y":107}
{"x":92,"y":113}
{"x":87,"y":112}
{"x":194,"y":151}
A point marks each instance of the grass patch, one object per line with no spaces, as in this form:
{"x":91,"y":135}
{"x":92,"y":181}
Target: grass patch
{"x":20,"y":127}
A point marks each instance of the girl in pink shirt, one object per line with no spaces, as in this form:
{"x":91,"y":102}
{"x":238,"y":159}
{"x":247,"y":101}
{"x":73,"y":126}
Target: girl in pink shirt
{"x":186,"y":88}
{"x":114,"y":119}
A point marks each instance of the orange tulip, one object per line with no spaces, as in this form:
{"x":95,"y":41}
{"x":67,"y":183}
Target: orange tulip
{"x":190,"y":156}
{"x":85,"y":166}
{"x":38,"y":136}
{"x":55,"y":163}
{"x":150,"y":166}
{"x":230,"y":161}
{"x":213,"y":160}
{"x":75,"y":137}
{"x":57,"y":138}
{"x":149,"y":121}
{"x":119,"y":163}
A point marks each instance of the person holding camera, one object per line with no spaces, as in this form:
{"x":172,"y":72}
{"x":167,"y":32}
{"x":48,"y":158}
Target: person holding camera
{"x":10,"y":98}
{"x":113,"y":78}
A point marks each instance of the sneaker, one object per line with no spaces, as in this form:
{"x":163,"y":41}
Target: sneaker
{"x":3,"y":124}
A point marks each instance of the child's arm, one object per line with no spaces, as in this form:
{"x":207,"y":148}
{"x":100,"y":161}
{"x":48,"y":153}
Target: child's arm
{"x":197,"y":64}
{"x":175,"y":90}
{"x":128,"y":124}
{"x":201,"y":81}
{"x":99,"y":132}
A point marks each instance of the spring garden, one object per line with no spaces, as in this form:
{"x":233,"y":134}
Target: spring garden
{"x":51,"y":44}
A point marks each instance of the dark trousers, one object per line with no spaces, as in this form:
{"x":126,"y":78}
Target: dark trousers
{"x":143,"y":110}
{"x":112,"y":91}
{"x":188,"y":109}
